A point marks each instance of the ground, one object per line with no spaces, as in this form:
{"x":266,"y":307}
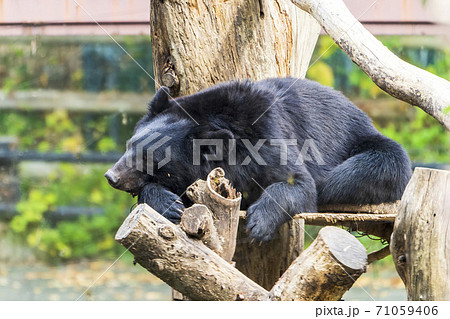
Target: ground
{"x":37,"y":281}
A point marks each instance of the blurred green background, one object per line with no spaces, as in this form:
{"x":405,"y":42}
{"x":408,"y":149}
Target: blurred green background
{"x":95,"y":65}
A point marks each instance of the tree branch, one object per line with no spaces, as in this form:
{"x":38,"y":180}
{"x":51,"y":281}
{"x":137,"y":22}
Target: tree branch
{"x":393,"y":75}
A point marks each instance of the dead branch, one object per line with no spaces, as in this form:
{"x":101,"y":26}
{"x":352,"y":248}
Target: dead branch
{"x":378,"y":255}
{"x":393,"y":75}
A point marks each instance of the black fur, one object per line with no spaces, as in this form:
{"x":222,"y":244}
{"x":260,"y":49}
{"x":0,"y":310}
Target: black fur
{"x":350,"y":162}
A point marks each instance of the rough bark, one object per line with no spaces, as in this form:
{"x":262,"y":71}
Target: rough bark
{"x":265,"y":263}
{"x":197,"y":222}
{"x":324,"y":271}
{"x":183,"y":263}
{"x":379,"y":225}
{"x":420,"y":242}
{"x":199,"y":43}
{"x":393,"y":75}
{"x":378,"y":254}
{"x":222,"y":200}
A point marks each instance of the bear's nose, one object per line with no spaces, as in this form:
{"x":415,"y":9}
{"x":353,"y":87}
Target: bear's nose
{"x":112,"y":178}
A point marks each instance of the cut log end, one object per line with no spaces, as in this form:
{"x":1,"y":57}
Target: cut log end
{"x":345,"y":248}
{"x":129,"y":223}
{"x":324,"y":271}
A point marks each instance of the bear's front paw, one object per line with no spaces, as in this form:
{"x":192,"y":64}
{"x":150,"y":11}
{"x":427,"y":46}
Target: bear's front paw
{"x":263,"y":221}
{"x":163,"y":201}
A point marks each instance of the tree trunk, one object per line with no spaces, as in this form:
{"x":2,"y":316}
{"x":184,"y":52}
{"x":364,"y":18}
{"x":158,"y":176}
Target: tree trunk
{"x":420,"y":242}
{"x":393,"y":75}
{"x":266,"y":263}
{"x":198,"y":43}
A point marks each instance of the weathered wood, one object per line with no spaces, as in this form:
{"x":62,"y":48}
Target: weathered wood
{"x":393,"y":75}
{"x":222,"y":200}
{"x":185,"y":264}
{"x":377,"y":220}
{"x":324,"y":271}
{"x":200,"y":43}
{"x":383,"y":208}
{"x":378,"y":254}
{"x":420,"y":243}
{"x":265,"y":263}
{"x":323,"y":219}
{"x":197,"y":222}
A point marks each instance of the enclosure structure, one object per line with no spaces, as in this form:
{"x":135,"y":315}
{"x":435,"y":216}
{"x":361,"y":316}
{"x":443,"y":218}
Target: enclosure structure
{"x":196,"y":257}
{"x":193,"y":49}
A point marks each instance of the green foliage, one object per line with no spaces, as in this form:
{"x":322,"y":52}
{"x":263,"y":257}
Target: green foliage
{"x":77,"y":63}
{"x":447,"y":110}
{"x":71,"y":185}
{"x":60,"y":131}
{"x":423,"y":137}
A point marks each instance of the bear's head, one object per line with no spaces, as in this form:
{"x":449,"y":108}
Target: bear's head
{"x":159,"y":138}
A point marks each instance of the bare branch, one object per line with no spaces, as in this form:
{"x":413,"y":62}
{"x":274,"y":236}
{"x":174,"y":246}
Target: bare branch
{"x":393,"y":75}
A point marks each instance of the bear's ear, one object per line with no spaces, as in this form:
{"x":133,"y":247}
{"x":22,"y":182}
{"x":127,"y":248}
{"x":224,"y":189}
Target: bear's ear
{"x":160,"y":102}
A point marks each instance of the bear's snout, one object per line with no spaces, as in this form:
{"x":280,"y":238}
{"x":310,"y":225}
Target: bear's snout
{"x":112,"y":178}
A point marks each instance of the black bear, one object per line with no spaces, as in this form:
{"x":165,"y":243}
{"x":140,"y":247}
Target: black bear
{"x":287,"y":144}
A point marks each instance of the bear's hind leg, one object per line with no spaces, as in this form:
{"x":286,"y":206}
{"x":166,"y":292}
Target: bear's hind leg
{"x":377,"y":171}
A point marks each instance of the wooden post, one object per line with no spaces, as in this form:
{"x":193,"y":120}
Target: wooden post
{"x":266,"y":263}
{"x":200,"y":43}
{"x":420,"y":242}
{"x":217,"y":194}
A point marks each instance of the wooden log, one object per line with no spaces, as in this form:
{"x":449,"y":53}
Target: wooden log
{"x":420,"y":243}
{"x":224,"y":202}
{"x":183,"y":263}
{"x":324,"y":271}
{"x":393,"y":75}
{"x":323,"y":219}
{"x":379,"y":225}
{"x":383,"y":208}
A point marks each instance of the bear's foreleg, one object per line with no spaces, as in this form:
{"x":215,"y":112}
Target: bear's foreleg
{"x":163,"y":201}
{"x":278,"y":204}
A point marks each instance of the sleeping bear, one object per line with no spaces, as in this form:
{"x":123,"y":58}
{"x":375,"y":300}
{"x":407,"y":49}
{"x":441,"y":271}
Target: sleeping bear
{"x":287,"y":144}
